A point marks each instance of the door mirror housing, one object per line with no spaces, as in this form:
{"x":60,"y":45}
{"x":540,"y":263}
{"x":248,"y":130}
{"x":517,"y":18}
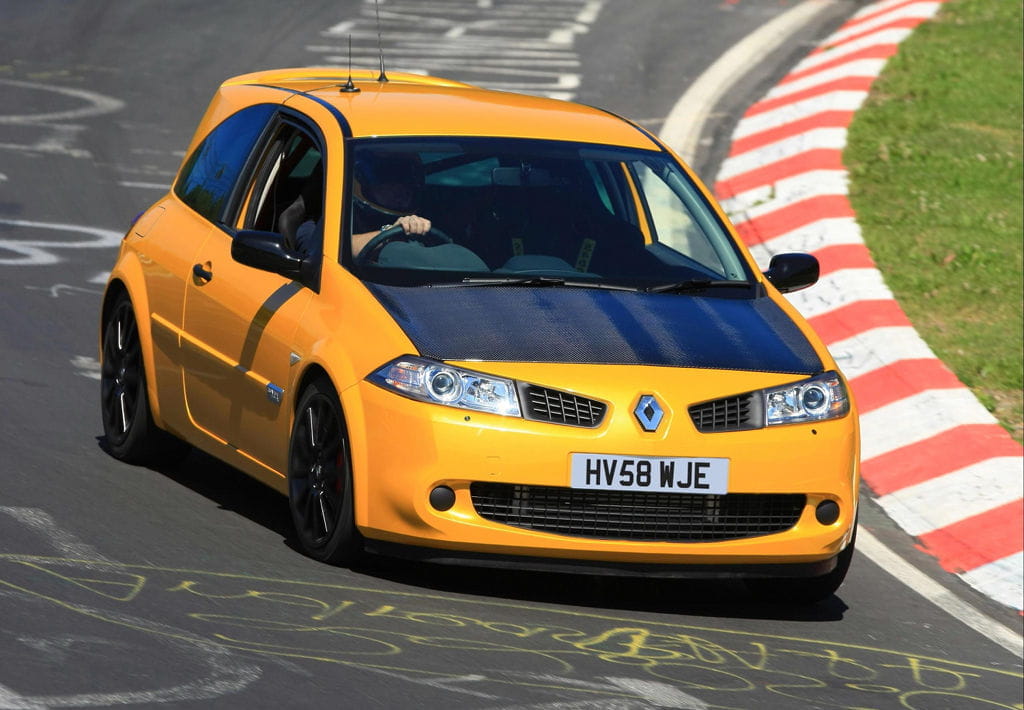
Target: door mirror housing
{"x":267,"y":251}
{"x":792,"y":272}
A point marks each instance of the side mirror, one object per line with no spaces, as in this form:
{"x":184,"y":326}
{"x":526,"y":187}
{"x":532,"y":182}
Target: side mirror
{"x":792,"y":272}
{"x":266,"y":251}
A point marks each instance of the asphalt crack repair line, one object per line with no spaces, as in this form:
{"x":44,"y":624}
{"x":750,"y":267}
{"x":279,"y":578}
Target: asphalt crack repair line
{"x":937,"y":461}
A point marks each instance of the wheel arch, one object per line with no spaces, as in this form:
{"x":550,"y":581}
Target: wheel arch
{"x":353,"y":420}
{"x":312,"y":372}
{"x":118,"y":286}
{"x":115,"y":289}
{"x":317,"y":371}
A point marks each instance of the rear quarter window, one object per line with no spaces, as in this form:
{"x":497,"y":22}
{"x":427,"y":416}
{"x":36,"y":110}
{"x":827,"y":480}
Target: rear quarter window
{"x":210,"y":173}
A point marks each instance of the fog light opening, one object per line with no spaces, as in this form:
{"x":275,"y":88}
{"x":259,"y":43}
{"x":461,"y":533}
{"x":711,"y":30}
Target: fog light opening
{"x":442,"y":498}
{"x":827,"y":512}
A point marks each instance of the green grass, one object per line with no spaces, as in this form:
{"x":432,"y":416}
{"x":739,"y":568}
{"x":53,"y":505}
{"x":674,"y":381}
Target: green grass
{"x":936,"y":182}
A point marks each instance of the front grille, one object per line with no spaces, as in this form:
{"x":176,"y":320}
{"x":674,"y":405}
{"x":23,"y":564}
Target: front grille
{"x":548,"y":405}
{"x":623,"y":515}
{"x":739,"y":413}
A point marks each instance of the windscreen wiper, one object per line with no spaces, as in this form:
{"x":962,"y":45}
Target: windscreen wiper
{"x":549,"y":281}
{"x":691,"y":285}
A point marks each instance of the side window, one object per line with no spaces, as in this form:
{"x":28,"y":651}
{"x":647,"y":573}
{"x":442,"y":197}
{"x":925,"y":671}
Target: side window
{"x":598,"y":178}
{"x":287,"y":192}
{"x":682,"y":221}
{"x":210,"y":174}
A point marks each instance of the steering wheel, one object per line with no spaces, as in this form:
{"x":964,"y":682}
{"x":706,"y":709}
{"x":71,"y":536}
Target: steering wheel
{"x":370,"y":252}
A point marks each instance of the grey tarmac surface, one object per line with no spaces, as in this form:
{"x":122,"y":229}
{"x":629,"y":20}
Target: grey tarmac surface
{"x":182,"y":587}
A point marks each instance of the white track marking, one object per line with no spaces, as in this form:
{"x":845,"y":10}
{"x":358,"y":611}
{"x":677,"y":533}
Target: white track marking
{"x":882,"y":37}
{"x":880,"y":347}
{"x":838,"y":100}
{"x":816,"y":139}
{"x":919,"y":11}
{"x":756,"y":203}
{"x":890,"y":562}
{"x":58,"y":136}
{"x":1000,"y":580}
{"x":163,"y":187}
{"x":87,"y":367}
{"x":95,"y":104}
{"x":826,"y":232}
{"x":685,"y":122}
{"x":840,"y":288}
{"x":530,"y":47}
{"x":862,"y":67}
{"x":648,"y":693}
{"x":36,"y":252}
{"x":57,"y":290}
{"x":64,"y":542}
{"x":952,"y":497}
{"x":10,"y":700}
{"x":919,"y":417}
{"x":227,"y":674}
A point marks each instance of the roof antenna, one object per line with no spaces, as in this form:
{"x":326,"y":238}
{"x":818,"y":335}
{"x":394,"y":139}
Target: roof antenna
{"x":380,"y":47}
{"x":349,"y":87}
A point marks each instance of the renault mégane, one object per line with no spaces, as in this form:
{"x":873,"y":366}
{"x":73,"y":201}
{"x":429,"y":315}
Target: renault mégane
{"x":479,"y":327}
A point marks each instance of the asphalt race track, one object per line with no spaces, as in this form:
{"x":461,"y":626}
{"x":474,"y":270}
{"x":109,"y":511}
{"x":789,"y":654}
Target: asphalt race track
{"x":182,"y":587}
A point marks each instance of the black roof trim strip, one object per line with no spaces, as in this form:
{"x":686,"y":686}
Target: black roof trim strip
{"x":653,"y":138}
{"x":346,"y":130}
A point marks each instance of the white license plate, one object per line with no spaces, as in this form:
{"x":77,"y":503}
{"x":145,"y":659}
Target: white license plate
{"x":655,"y":474}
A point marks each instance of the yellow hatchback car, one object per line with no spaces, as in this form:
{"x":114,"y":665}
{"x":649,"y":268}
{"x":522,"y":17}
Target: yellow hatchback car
{"x":482,"y":328}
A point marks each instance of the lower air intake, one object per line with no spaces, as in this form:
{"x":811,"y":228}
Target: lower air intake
{"x":622,"y":515}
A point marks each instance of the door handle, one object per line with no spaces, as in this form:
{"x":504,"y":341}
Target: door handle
{"x":202,"y":274}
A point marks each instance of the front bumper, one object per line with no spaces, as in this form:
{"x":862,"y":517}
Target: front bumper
{"x":404,"y":449}
{"x":599,"y":568}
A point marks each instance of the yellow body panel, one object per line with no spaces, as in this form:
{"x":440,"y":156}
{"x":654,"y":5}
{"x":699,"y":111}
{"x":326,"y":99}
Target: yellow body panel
{"x":418,"y":105}
{"x":212,"y":350}
{"x":408,"y":447}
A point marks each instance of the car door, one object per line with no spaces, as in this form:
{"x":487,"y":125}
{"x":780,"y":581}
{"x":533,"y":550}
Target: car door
{"x":168,"y":235}
{"x":239,"y":321}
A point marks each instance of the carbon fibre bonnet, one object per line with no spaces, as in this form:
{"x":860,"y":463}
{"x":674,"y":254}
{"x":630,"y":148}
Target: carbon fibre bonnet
{"x":575,"y":325}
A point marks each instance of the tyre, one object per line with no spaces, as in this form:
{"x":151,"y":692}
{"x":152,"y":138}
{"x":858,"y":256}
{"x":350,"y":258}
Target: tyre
{"x":805,"y":590}
{"x":320,"y":478}
{"x":128,"y":427}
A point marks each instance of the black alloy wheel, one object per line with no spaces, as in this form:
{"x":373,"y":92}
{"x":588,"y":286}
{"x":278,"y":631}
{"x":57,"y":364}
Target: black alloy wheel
{"x":128,"y":426}
{"x":320,"y":478}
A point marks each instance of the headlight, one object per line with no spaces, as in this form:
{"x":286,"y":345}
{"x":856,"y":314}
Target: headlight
{"x":821,"y":397}
{"x":432,"y":381}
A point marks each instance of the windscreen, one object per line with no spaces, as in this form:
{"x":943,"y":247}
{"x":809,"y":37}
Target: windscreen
{"x":520,"y":209}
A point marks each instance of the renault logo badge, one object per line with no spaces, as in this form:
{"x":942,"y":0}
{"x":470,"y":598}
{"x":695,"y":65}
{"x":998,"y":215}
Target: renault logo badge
{"x":648,"y":412}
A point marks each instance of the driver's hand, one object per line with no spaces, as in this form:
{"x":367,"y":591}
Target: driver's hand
{"x":414,"y":224}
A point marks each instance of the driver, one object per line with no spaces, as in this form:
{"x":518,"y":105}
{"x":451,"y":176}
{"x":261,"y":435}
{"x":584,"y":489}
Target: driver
{"x":385,"y":195}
